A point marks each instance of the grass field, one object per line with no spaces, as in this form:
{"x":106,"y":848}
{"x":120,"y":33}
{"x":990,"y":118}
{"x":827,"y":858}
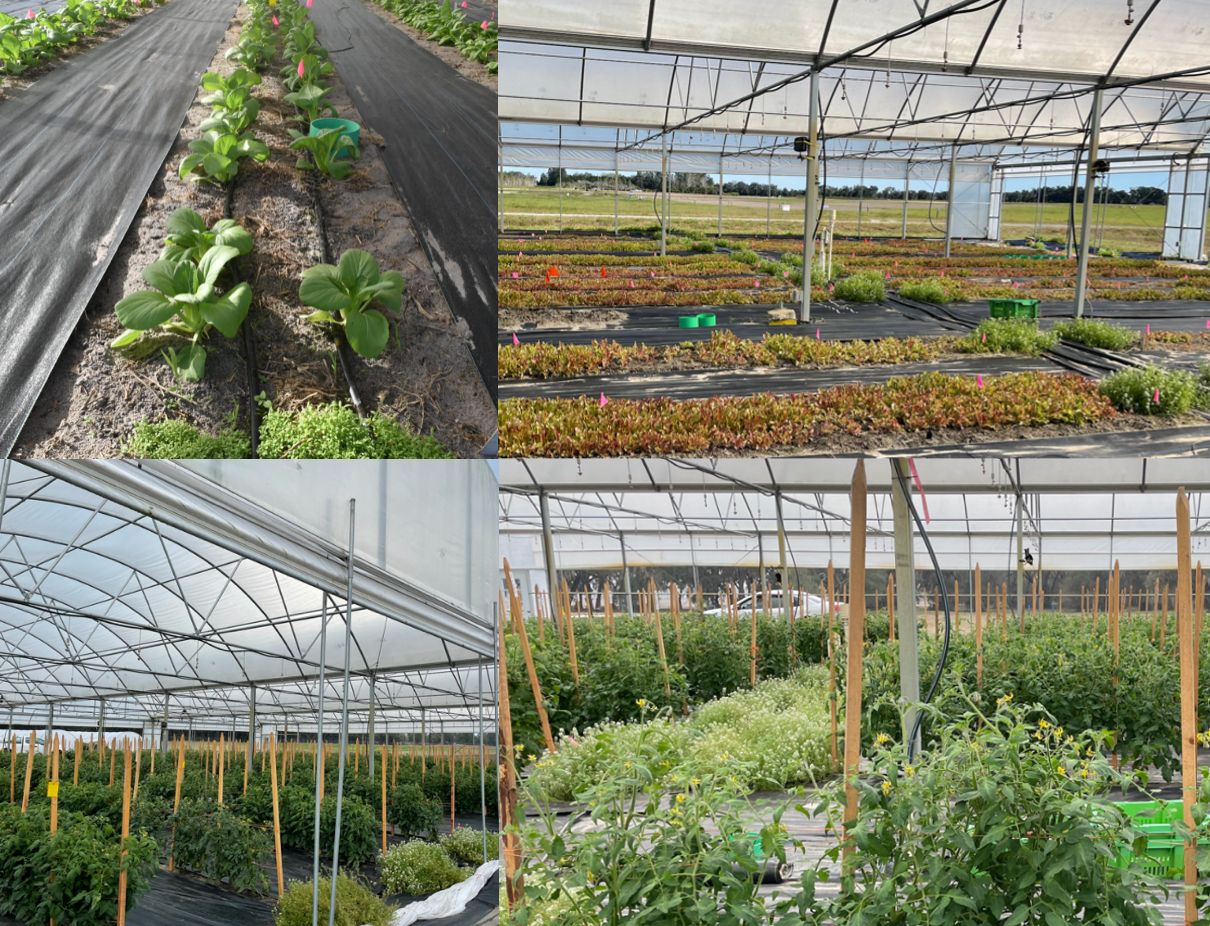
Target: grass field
{"x":1129,"y":228}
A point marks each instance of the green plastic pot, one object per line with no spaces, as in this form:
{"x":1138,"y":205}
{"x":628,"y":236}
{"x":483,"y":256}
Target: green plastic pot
{"x":689,"y":321}
{"x":707,"y":320}
{"x":348,"y":128}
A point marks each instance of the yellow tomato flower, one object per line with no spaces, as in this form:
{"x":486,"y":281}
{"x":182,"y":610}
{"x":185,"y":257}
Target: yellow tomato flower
{"x":680,"y":798}
{"x":882,"y":739}
{"x":641,"y":702}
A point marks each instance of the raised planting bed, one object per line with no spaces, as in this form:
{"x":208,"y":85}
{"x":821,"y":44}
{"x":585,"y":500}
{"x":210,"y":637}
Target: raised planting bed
{"x":931,"y":405}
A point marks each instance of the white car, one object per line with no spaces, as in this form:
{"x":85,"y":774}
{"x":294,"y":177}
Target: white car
{"x":814,"y":604}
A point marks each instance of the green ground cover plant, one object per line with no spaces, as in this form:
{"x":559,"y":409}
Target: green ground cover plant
{"x":417,"y":868}
{"x":356,"y":904}
{"x":1008,"y":336}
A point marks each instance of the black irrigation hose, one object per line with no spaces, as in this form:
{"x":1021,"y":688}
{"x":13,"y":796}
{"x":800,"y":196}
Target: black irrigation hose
{"x":249,"y":345}
{"x":945,"y":604}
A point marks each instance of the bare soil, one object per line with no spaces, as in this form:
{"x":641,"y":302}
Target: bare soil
{"x":563,"y":319}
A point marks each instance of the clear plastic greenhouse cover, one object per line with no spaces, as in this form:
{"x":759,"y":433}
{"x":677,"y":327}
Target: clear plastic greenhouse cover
{"x":163,"y":577}
{"x":1075,"y":39}
{"x":1082,"y":516}
{"x":959,"y":80}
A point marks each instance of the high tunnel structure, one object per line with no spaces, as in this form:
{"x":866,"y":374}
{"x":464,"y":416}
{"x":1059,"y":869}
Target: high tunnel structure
{"x":195,"y":599}
{"x":961,"y":96}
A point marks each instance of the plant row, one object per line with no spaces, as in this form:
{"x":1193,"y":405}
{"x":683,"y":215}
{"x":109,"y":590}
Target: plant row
{"x":544,"y":360}
{"x":583,"y":427}
{"x":1002,"y":818}
{"x":447,"y":24}
{"x":38,"y":37}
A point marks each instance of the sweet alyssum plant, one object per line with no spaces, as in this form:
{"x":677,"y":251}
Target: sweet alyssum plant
{"x":343,"y":295}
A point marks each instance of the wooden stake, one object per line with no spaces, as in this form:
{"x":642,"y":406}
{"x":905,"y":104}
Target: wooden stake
{"x":176,"y":802}
{"x":833,"y":707}
{"x":534,"y":685}
{"x":1189,"y":669}
{"x":29,"y":768}
{"x":281,"y":880}
{"x":752,"y":648}
{"x":511,"y":843}
{"x":138,"y":768}
{"x":659,"y":639}
{"x":607,"y":601}
{"x":12,"y":768}
{"x":384,"y":800}
{"x":978,"y":629}
{"x":856,"y":636}
{"x":75,"y":765}
{"x":125,"y":833}
{"x":890,"y":606}
{"x":113,"y":754}
{"x":451,"y":789}
{"x":571,"y":649}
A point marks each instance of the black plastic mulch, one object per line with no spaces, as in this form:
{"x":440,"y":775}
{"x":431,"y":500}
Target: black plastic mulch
{"x":440,"y":132}
{"x":78,"y":151}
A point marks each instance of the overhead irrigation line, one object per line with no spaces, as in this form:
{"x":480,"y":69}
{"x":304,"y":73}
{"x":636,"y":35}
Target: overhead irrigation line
{"x":872,"y":46}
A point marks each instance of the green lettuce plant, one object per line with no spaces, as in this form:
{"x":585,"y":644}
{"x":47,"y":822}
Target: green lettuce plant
{"x":189,"y":238}
{"x":230,"y":99}
{"x":311,"y":100}
{"x":216,"y":156}
{"x":343,"y":295}
{"x":332,"y":152}
{"x":185,"y":301}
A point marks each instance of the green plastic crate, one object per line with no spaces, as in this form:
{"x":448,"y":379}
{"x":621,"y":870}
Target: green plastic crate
{"x":1013,"y":308}
{"x":1152,"y":811}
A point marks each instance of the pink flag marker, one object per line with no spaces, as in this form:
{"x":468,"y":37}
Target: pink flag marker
{"x":464,"y":4}
{"x":632,"y":284}
{"x":301,"y":67}
{"x":516,"y":275}
{"x":309,"y":2}
{"x":603,"y":401}
{"x":817,"y":337}
{"x":758,"y":284}
{"x":985,"y":337}
{"x":30,"y":13}
{"x":1208,"y":322}
{"x":275,"y":22}
{"x":1148,"y":329}
{"x":483,"y":25}
{"x":516,"y":342}
{"x":924,"y":503}
{"x":979,"y":380}
{"x":1156,"y":398}
{"x":785,"y":274}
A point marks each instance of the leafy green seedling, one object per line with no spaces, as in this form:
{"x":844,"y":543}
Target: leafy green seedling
{"x":311,"y":101}
{"x":189,"y":238}
{"x":216,"y":156}
{"x":326,"y":150}
{"x":343,"y":296}
{"x":184,"y":301}
{"x":231,"y":100}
